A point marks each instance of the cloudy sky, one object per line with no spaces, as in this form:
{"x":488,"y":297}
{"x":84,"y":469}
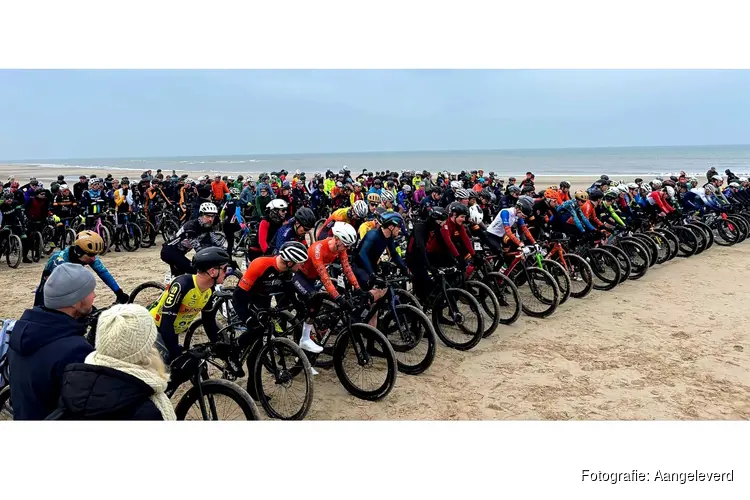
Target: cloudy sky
{"x":85,"y":114}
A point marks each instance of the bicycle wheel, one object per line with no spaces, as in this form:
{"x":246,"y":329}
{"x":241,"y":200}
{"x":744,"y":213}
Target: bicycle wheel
{"x":581,"y":275}
{"x":106,"y":237}
{"x":68,"y":238}
{"x":650,"y":245}
{"x":622,"y":260}
{"x":507,"y":297}
{"x":283,"y":380}
{"x":412,"y":337}
{"x":672,"y":241}
{"x":706,"y":231}
{"x":561,"y":277}
{"x":6,"y":409}
{"x":407,"y":298}
{"x":605,"y":267}
{"x":147,"y":232}
{"x":660,"y":244}
{"x":131,"y":237}
{"x":725,"y":234}
{"x":224,"y":400}
{"x":489,"y":305}
{"x":700,"y":238}
{"x":688,"y":242}
{"x":742,"y":229}
{"x":638,"y":256}
{"x":463,"y":328}
{"x":48,"y":239}
{"x":377,"y":363}
{"x":13,"y":251}
{"x":36,"y":245}
{"x":168,"y":229}
{"x":538,"y":290}
{"x":146,"y":293}
{"x":318,"y":225}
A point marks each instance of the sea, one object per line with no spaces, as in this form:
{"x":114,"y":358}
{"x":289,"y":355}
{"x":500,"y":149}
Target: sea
{"x":570,"y":162}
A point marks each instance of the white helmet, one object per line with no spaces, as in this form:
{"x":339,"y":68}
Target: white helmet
{"x":734,"y":184}
{"x":656,"y":184}
{"x":462,"y":194}
{"x":345,"y":233}
{"x":716,"y":178}
{"x":293,"y":251}
{"x":406,"y":188}
{"x":456,"y":185}
{"x":623,"y":188}
{"x":670,"y":191}
{"x":297,"y":172}
{"x":360,"y":209}
{"x":189,"y":181}
{"x":645,"y":187}
{"x":632,"y":185}
{"x":207,"y":208}
{"x":476,"y":215}
{"x":614,"y":190}
{"x":387,"y":195}
{"x":277,"y":204}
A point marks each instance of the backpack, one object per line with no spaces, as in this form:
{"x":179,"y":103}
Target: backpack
{"x":6,"y":326}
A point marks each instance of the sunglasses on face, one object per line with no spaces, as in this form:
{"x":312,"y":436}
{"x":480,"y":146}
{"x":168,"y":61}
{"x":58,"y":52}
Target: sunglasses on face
{"x":373,"y":204}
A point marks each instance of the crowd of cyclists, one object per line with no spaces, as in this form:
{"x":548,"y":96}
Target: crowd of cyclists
{"x":304,"y":240}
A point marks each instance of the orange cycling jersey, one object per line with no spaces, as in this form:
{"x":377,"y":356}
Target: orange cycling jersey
{"x":590,"y":213}
{"x":340,"y":215}
{"x":320,"y":256}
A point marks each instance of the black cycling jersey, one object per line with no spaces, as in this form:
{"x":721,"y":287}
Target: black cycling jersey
{"x":193,"y":236}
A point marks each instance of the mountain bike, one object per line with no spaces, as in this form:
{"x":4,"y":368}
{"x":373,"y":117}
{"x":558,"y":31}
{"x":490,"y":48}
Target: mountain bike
{"x":10,"y":246}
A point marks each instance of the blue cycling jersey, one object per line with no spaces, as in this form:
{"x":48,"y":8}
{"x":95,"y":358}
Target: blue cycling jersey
{"x":58,"y":258}
{"x":373,"y":246}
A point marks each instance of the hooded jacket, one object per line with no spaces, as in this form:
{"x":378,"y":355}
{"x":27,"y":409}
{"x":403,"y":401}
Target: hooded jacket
{"x":91,"y":392}
{"x":42,"y":344}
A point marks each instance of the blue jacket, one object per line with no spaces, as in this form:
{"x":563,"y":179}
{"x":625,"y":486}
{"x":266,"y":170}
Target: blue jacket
{"x":373,"y":246}
{"x":43,"y":342}
{"x":286,"y":233}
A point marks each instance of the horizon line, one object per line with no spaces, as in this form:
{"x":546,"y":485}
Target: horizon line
{"x":412,"y":151}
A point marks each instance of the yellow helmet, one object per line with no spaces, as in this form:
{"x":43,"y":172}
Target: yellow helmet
{"x":89,"y":243}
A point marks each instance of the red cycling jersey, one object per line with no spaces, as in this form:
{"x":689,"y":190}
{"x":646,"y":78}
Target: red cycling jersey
{"x":590,"y":212}
{"x":448,"y":231}
{"x":320,"y":256}
{"x":660,"y":199}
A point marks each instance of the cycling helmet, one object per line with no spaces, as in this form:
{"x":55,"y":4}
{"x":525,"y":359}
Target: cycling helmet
{"x":462,"y":194}
{"x":527,"y":189}
{"x":457,"y":209}
{"x":387,"y":196}
{"x":525,"y":203}
{"x":345,"y":233}
{"x":437,"y":214}
{"x":716,"y":178}
{"x":623,"y":188}
{"x":670,"y":191}
{"x":64,"y":187}
{"x":305,"y":217}
{"x":582,"y":195}
{"x":485,"y":193}
{"x":234,"y":192}
{"x":611,"y":194}
{"x":743,"y":179}
{"x":373,"y":198}
{"x":734,"y":184}
{"x":274,"y":207}
{"x":476,"y":216}
{"x":645,"y":188}
{"x":656,"y":184}
{"x":710,"y":187}
{"x":550,"y":194}
{"x":360,"y":209}
{"x":596,"y":195}
{"x":389,"y":219}
{"x":155,"y":182}
{"x":94,"y":181}
{"x":632,"y":185}
{"x":207,"y":208}
{"x":208,"y":258}
{"x":406,"y":188}
{"x":293,"y":251}
{"x":604,"y":177}
{"x":456,"y":185}
{"x":89,"y":243}
{"x":565,"y":184}
{"x":668,"y":182}
{"x":339,"y":184}
{"x":514,"y":189}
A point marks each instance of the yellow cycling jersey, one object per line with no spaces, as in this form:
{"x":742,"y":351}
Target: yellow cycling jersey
{"x":365,"y":227}
{"x":181,"y":302}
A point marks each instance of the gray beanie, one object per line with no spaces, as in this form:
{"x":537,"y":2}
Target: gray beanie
{"x":68,"y":284}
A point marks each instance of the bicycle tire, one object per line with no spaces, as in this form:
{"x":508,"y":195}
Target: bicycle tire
{"x":385,"y":349}
{"x":706,"y":231}
{"x":580,"y":272}
{"x":688,"y":242}
{"x":147,"y":229}
{"x":622,"y":260}
{"x":650,"y":245}
{"x":438,"y":320}
{"x":550,"y":303}
{"x":602,"y":263}
{"x":168,"y":229}
{"x":106,"y":237}
{"x":672,"y":240}
{"x":48,"y":239}
{"x":725,"y":234}
{"x":561,"y":277}
{"x":661,"y":245}
{"x":69,"y":238}
{"x":220,"y":388}
{"x":131,"y":243}
{"x":262,"y":363}
{"x":742,"y":233}
{"x":13,"y":244}
{"x":318,"y":225}
{"x":407,"y":298}
{"x":36,"y":246}
{"x":507,"y":296}
{"x":489,"y":305}
{"x":112,"y":230}
{"x":700,"y":238}
{"x":426,"y":337}
{"x":638,"y":256}
{"x":145,"y":286}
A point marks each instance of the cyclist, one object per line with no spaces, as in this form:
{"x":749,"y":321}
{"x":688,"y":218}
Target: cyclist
{"x":193,"y":235}
{"x":563,"y":194}
{"x":374,"y":244}
{"x":231,"y":217}
{"x":187,"y":296}
{"x":64,"y":206}
{"x":588,"y":203}
{"x":84,"y":251}
{"x":373,"y":202}
{"x":92,"y":202}
{"x":271,"y":223}
{"x":451,"y":245}
{"x":404,"y":198}
{"x":353,"y":216}
{"x":500,"y":233}
{"x":432,"y":199}
{"x":371,"y":224}
{"x":511,"y":197}
{"x":12,"y":216}
{"x":152,"y":205}
{"x":295,"y":228}
{"x":606,"y":210}
{"x":123,"y":206}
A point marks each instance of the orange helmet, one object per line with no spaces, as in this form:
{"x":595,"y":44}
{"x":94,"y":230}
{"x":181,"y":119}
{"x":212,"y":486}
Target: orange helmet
{"x":550,"y":194}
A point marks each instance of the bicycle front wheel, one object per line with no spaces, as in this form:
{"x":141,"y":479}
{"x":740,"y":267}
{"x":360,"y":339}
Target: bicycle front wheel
{"x":146,"y":293}
{"x":539,"y":292}
{"x":223,"y":400}
{"x":371,"y":374}
{"x":283,"y":380}
{"x":412,"y":337}
{"x":36,"y":246}
{"x":457,"y":319}
{"x":13,"y":251}
{"x":507,"y":297}
{"x":561,"y":277}
{"x":581,"y":275}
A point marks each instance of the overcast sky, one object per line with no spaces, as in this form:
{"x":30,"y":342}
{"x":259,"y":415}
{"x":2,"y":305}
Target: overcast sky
{"x":85,"y":114}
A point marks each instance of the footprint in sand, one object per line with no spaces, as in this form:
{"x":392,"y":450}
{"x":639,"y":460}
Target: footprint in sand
{"x":680,"y":335}
{"x":738,"y":348}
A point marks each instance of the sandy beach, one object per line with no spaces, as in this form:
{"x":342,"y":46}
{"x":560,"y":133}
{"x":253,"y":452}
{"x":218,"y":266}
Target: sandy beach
{"x":672,"y":345}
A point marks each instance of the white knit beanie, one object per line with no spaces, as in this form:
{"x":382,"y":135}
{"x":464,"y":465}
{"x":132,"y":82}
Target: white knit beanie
{"x":126,"y":332}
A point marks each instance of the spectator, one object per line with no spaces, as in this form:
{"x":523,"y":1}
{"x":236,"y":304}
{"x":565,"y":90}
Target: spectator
{"x":48,"y":338}
{"x":125,"y":378}
{"x":219,"y":189}
{"x":79,"y":187}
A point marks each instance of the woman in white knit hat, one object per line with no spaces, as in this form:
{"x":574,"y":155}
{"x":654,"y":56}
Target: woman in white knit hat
{"x":124,"y":378}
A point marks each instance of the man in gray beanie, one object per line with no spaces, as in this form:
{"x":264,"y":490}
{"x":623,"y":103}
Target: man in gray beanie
{"x":48,"y":338}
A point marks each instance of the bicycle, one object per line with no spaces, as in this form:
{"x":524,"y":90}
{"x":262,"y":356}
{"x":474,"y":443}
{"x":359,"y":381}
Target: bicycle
{"x":99,"y":228}
{"x":543,"y":290}
{"x":130,"y":235}
{"x":579,"y":271}
{"x":11,"y":247}
{"x":502,"y":287}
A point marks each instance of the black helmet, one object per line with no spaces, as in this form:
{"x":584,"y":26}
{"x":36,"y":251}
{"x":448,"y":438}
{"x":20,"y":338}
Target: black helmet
{"x":437,"y":214}
{"x":514,"y":189}
{"x":604,"y":177}
{"x":525,"y":203}
{"x":528,"y":188}
{"x":485,"y":193}
{"x":210,"y":257}
{"x":305,"y":217}
{"x":565,"y":184}
{"x":457,"y":209}
{"x":596,"y":195}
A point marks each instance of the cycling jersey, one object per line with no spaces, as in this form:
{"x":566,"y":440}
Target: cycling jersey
{"x":340,"y":215}
{"x":502,"y":226}
{"x":320,"y":255}
{"x":449,"y":231}
{"x":659,"y":199}
{"x":261,"y":277}
{"x":178,"y":307}
{"x":589,"y":212}
{"x":123,"y":200}
{"x":692,"y":202}
{"x":287,"y":233}
{"x":373,"y":246}
{"x":366,"y":227}
{"x":266,"y":234}
{"x":63,"y":206}
{"x":608,"y":210}
{"x":569,"y":211}
{"x":192,"y":236}
{"x":92,"y":202}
